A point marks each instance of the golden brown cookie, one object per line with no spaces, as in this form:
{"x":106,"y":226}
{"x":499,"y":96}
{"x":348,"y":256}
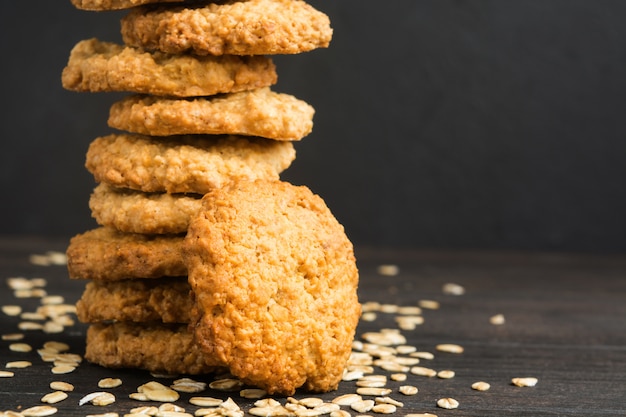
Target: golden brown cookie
{"x":251,"y":27}
{"x":108,"y":254}
{"x":259,"y":112}
{"x":97,"y":66}
{"x":275,"y":282}
{"x":133,"y":211}
{"x":99,"y":5}
{"x":166,"y":300}
{"x":187,"y":164}
{"x":157,"y":348}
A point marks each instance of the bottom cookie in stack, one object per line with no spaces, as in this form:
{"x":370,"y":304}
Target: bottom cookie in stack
{"x":137,"y":302}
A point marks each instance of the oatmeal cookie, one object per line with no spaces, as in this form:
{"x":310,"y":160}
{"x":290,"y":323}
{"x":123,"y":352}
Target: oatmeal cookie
{"x":251,"y":27}
{"x":99,"y":5}
{"x":187,"y":164}
{"x":259,"y":112}
{"x":133,"y":211}
{"x":154,"y":347}
{"x":97,"y":66}
{"x":164,"y":300}
{"x":108,"y":254}
{"x":275,"y":282}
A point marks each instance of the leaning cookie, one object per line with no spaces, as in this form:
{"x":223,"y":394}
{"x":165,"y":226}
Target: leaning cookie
{"x":96,"y":66}
{"x":101,"y":5}
{"x":275,"y":283}
{"x":136,"y":212}
{"x":251,"y":27}
{"x":185,"y":164}
{"x":157,"y":348}
{"x":164,"y":300}
{"x":259,"y":112}
{"x":105,"y":253}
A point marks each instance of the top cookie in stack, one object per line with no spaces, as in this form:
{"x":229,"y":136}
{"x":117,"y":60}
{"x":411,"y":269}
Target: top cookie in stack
{"x":201,"y":123}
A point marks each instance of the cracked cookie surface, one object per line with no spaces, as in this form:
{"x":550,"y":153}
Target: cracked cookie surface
{"x":251,"y":27}
{"x":274,"y":279}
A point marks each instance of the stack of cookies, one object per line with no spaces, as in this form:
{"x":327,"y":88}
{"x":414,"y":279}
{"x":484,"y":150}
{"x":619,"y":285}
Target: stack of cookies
{"x":204,"y":259}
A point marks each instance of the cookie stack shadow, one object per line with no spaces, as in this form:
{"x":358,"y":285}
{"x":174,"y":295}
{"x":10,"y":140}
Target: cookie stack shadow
{"x":200,"y":114}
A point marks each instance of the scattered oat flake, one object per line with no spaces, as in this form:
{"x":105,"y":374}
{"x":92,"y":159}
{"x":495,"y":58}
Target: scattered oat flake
{"x":347,"y":399}
{"x":63,"y":369}
{"x":450,"y":348}
{"x":408,"y":390}
{"x":12,"y":310}
{"x":384,"y":408}
{"x":61,"y":386}
{"x":103,"y":415}
{"x":388,"y":400}
{"x":52,"y":300}
{"x":54,"y":397}
{"x":453,"y":289}
{"x":445,"y":374}
{"x":481,"y":386}
{"x":6,"y":374}
{"x":20,"y":347}
{"x":39,"y":411}
{"x":252,"y":393}
{"x":98,"y":398}
{"x":428,"y":304}
{"x":206,"y":401}
{"x":423,"y":371}
{"x":369,"y":316}
{"x":226,"y":384}
{"x":388,"y":270}
{"x":422,"y":355}
{"x":420,"y":415}
{"x":18,"y":364}
{"x":138,"y":396}
{"x":109,"y":383}
{"x":13,"y":336}
{"x":497,"y":319}
{"x":373,"y":391}
{"x":447,"y":403}
{"x":340,"y":413}
{"x":58,"y":347}
{"x":525,"y":382}
{"x":29,"y":325}
{"x":400,"y":377}
{"x":362,"y":406}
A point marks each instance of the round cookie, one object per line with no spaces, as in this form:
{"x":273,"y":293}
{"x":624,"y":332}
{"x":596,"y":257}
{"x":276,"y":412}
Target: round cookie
{"x":100,"y":5}
{"x":154,"y":347}
{"x":275,"y":282}
{"x":97,"y":66}
{"x":187,"y":164}
{"x":251,"y":27}
{"x":137,"y":212}
{"x":260,"y":112}
{"x":108,"y":254}
{"x":165,"y":300}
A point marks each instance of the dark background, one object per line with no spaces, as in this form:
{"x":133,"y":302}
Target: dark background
{"x":439,"y":123}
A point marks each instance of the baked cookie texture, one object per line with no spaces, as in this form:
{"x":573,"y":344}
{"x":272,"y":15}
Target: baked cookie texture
{"x":275,"y":284}
{"x":99,"y":5}
{"x":251,"y":27}
{"x":137,"y":212}
{"x":96,"y":66}
{"x":154,"y":347}
{"x":105,"y":253}
{"x":165,"y":300}
{"x":260,"y":112}
{"x":184,"y":164}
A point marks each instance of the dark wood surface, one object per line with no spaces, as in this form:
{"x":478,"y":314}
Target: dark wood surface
{"x":565,"y":325}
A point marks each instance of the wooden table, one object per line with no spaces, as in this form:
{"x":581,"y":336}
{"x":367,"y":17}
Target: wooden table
{"x":565,"y":324}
